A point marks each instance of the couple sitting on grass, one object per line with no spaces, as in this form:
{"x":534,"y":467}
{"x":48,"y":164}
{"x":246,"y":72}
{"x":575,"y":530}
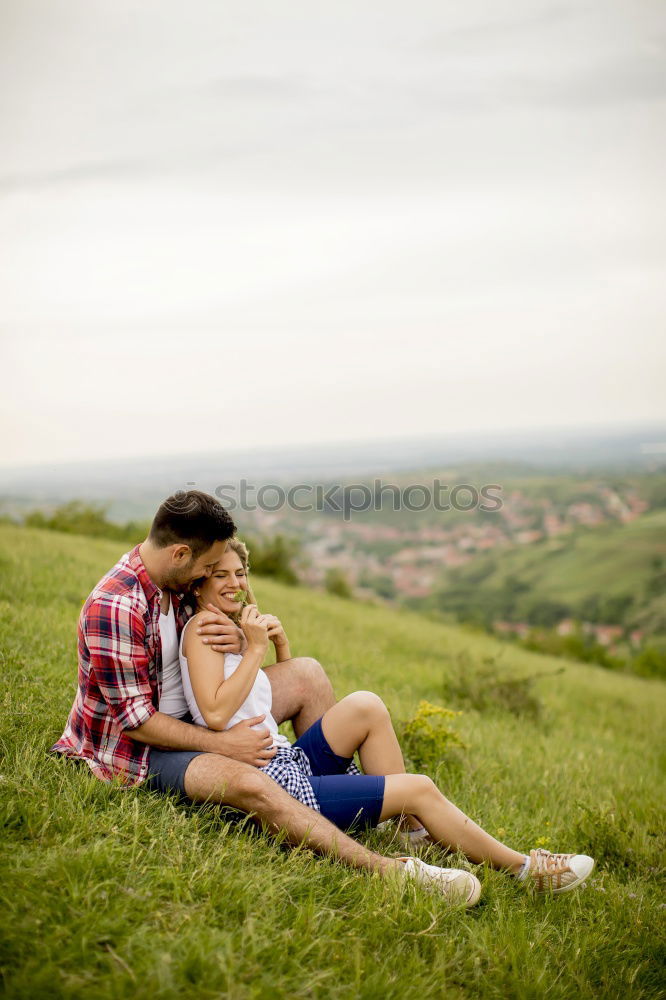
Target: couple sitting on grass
{"x":172,"y":694}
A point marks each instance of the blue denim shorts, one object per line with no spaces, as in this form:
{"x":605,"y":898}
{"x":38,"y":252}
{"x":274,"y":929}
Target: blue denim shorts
{"x":351,"y":801}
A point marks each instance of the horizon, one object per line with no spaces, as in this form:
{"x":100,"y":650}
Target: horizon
{"x":509,"y":436}
{"x":623,"y":449}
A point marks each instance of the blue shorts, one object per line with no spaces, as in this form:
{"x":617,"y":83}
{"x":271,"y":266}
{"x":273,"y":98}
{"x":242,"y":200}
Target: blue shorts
{"x":351,"y":801}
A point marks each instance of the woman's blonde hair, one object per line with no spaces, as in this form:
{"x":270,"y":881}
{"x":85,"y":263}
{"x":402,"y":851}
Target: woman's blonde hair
{"x":241,"y":550}
{"x":243,"y":553}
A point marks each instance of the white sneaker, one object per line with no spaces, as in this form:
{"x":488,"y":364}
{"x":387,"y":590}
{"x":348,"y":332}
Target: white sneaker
{"x":408,"y":838}
{"x":557,"y":872}
{"x":457,"y":885}
{"x":412,"y":838}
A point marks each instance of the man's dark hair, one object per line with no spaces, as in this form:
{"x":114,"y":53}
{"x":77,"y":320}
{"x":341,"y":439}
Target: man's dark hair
{"x":191,"y":518}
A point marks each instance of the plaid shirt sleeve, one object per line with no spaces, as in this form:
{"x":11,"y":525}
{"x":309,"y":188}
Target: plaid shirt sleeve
{"x":114,"y":632}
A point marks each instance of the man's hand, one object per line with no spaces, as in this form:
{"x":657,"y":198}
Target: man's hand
{"x":251,"y":746}
{"x":219,"y":632}
{"x":241,"y":742}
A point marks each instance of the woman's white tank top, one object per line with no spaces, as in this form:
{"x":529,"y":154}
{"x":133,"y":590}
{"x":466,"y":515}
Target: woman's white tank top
{"x":258,"y":702}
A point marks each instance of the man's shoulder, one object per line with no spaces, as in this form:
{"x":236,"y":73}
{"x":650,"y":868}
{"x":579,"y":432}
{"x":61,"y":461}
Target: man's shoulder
{"x":120,"y":588}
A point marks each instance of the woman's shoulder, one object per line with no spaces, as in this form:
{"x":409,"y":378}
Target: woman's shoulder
{"x":188,"y":632}
{"x":196,"y":617}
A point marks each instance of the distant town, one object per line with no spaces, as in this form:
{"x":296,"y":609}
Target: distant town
{"x":403,"y":562}
{"x":416,"y":555}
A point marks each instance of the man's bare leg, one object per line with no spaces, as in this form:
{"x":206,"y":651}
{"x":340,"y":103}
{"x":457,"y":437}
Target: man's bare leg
{"x":213,"y":778}
{"x":301,"y":692}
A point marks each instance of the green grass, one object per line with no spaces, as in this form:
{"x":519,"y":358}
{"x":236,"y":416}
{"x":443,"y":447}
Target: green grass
{"x":124,"y":894}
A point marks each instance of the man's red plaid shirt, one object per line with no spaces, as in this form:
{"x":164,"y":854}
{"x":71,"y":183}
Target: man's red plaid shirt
{"x":120,"y":672}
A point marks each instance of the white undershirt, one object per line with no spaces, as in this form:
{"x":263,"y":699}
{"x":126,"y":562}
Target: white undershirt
{"x":172,"y":697}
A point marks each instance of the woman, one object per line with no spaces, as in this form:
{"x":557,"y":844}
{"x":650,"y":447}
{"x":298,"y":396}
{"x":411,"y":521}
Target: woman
{"x":318,"y":768}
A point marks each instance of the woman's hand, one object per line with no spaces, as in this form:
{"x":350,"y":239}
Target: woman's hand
{"x":278,"y":637}
{"x":254,"y":629}
{"x":276,"y":632}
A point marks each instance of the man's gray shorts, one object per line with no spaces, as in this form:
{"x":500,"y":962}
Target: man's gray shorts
{"x":167,"y":771}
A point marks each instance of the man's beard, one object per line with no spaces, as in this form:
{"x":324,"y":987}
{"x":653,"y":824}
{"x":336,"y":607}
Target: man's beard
{"x":178,"y":582}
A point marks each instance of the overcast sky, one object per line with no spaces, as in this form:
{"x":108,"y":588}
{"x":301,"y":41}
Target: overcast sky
{"x":255,"y":223}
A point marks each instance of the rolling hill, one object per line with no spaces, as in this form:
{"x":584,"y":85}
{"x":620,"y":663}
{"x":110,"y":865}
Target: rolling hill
{"x":613,"y":564}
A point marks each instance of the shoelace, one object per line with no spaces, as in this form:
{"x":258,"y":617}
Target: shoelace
{"x":544,"y":865}
{"x":446,"y":875}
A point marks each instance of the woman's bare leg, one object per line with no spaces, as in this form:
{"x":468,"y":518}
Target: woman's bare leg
{"x":362,"y":722}
{"x":418,"y":794}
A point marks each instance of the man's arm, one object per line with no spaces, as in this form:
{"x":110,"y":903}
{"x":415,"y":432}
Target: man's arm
{"x":115,"y":634}
{"x":241,"y":742}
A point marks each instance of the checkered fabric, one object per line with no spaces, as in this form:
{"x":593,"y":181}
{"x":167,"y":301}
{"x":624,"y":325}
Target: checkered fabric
{"x":120,"y":670}
{"x":290,"y":767}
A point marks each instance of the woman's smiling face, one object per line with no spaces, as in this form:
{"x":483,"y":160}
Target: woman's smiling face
{"x":227,"y":578}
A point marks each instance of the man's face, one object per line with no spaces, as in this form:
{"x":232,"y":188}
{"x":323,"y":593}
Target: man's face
{"x":185,"y":569}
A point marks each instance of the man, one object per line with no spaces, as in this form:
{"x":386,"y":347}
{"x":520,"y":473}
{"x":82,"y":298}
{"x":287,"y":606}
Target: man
{"x":115,"y":718}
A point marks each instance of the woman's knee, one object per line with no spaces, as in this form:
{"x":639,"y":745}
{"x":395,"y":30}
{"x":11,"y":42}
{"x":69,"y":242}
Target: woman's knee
{"x":422,"y":787}
{"x":407,"y":793}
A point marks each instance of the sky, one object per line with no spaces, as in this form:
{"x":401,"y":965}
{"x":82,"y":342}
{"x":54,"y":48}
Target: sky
{"x":269,"y":224}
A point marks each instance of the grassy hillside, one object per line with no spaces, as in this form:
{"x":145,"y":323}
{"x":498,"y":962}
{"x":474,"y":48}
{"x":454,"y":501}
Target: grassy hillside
{"x":127,"y":895}
{"x":610,"y":561}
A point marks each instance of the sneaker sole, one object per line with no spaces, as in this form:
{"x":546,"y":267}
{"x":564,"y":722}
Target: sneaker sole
{"x":475,"y":892}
